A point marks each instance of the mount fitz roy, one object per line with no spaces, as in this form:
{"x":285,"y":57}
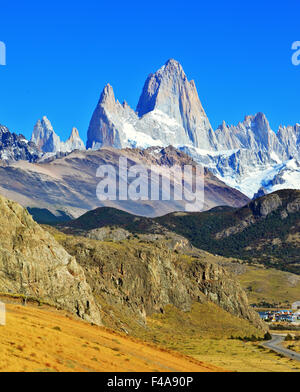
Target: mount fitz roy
{"x":169,"y":112}
{"x":250,"y":156}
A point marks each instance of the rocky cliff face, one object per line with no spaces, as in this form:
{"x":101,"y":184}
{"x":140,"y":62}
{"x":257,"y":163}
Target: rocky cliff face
{"x":284,"y":203}
{"x":15,"y":147}
{"x":254,"y":134}
{"x":169,"y":91}
{"x":49,"y":142}
{"x":44,"y":136}
{"x":289,"y":137}
{"x":33,"y":264}
{"x":266,"y":205}
{"x":102,"y":130}
{"x":141,"y":277}
{"x":134,"y":279}
{"x":74,"y":142}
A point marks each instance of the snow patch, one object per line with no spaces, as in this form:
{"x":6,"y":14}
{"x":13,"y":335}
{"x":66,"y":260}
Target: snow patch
{"x":139,"y":139}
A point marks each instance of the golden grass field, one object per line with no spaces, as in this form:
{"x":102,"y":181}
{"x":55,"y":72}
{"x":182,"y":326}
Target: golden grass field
{"x":292,"y":344}
{"x":41,"y":339}
{"x":295,"y":346}
{"x":205,"y":333}
{"x":270,"y":285}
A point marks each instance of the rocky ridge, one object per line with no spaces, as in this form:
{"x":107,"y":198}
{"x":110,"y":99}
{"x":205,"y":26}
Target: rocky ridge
{"x":69,"y":183}
{"x":264,"y":231}
{"x":15,"y":147}
{"x":139,"y":277}
{"x":33,"y":264}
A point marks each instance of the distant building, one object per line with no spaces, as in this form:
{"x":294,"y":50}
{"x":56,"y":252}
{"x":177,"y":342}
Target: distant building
{"x":297,"y":314}
{"x":296,"y":305}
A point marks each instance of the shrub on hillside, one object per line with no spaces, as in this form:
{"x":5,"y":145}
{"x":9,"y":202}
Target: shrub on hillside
{"x":267,"y":336}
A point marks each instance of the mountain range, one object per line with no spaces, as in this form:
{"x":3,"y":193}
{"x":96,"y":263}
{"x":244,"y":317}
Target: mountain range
{"x":249,"y":156}
{"x":66,"y":186}
{"x":264,"y":231}
{"x":149,"y":268}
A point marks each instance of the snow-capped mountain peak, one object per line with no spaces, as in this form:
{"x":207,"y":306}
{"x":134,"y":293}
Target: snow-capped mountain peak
{"x":169,"y":112}
{"x":170,"y":91}
{"x":15,"y":147}
{"x":74,"y":142}
{"x":48,"y":141}
{"x":44,"y":137}
{"x":253,"y":158}
{"x":161,"y":88}
{"x":107,"y":96}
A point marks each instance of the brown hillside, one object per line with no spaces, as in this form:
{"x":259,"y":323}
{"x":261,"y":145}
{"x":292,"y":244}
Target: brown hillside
{"x":37,"y":339}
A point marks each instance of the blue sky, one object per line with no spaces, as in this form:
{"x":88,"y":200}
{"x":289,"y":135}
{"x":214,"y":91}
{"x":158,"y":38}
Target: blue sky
{"x":60,"y":54}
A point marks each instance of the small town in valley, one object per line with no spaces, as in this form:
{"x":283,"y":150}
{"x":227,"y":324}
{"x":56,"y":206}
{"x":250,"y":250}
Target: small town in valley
{"x":283,"y":315}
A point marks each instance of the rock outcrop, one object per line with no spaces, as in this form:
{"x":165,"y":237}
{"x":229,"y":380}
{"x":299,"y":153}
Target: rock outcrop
{"x":102,"y":131}
{"x":33,"y":264}
{"x":289,"y":137}
{"x":15,"y":147}
{"x":140,"y":277}
{"x":266,"y":205}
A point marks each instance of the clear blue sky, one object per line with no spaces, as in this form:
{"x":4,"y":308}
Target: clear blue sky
{"x":60,"y":54}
